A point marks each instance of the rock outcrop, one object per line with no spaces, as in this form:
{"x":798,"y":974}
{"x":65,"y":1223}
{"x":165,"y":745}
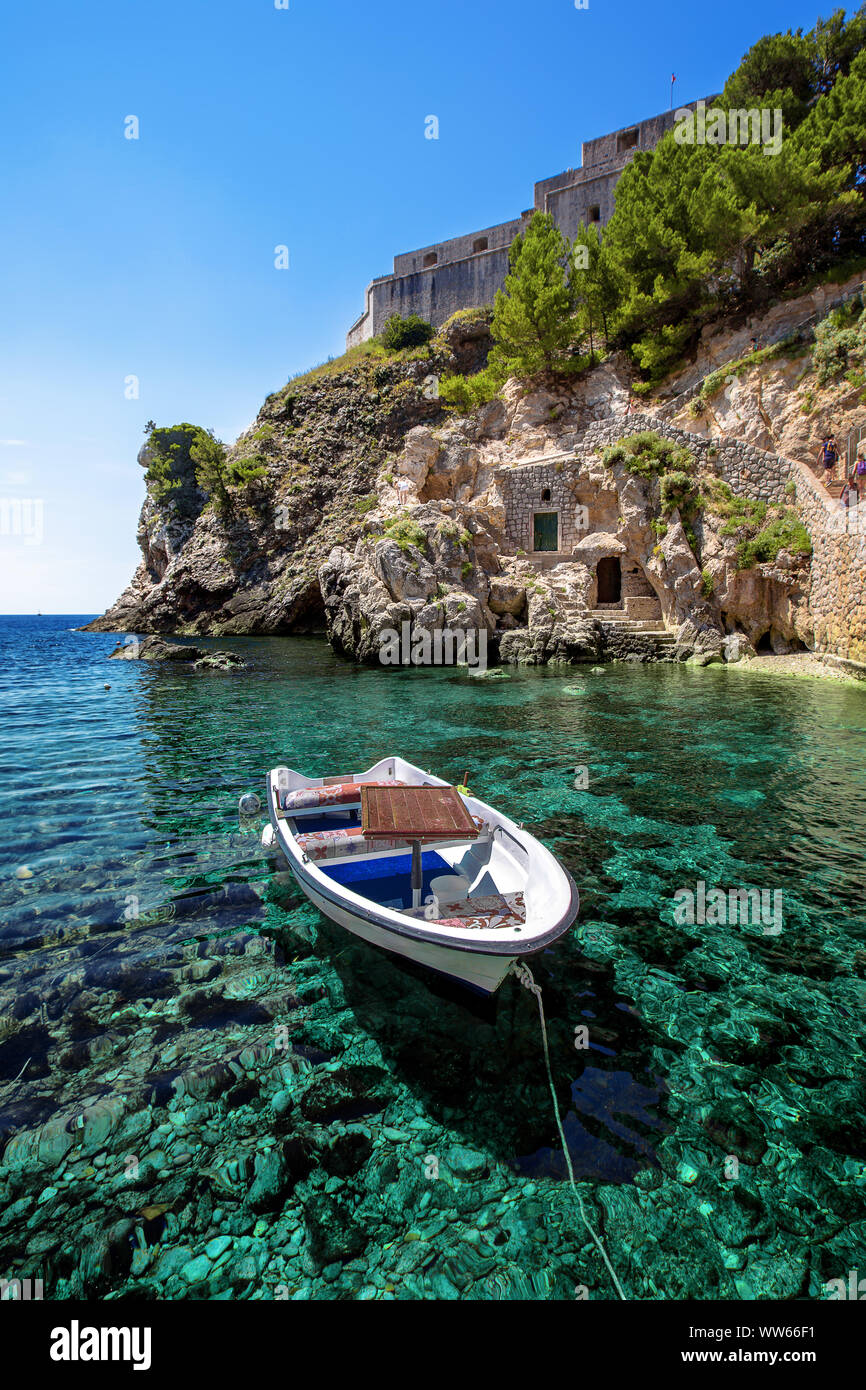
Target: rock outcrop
{"x":198,"y":658}
{"x":378,"y":508}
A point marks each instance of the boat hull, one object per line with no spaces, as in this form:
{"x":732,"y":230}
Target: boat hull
{"x":482,"y":972}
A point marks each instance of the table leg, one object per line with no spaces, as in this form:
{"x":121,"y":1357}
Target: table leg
{"x":417,"y":873}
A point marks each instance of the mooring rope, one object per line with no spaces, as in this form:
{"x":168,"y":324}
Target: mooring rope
{"x":524,"y":975}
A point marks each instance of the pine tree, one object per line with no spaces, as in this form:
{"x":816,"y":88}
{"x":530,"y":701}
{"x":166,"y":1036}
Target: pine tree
{"x":594,"y":286}
{"x":533,"y":325}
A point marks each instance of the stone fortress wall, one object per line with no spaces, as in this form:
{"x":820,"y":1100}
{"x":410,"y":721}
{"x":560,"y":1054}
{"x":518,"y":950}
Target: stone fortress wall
{"x":466,"y":271}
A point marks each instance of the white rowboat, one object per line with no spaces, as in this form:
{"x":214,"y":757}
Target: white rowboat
{"x":488,"y":900}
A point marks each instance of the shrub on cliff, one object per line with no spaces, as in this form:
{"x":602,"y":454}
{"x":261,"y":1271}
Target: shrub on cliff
{"x":840,"y":342}
{"x":649,"y":455}
{"x":209,"y":456}
{"x":184,"y":458}
{"x":174,"y":470}
{"x":784,"y":531}
{"x":405,"y":532}
{"x":465,"y":393}
{"x":409,"y":332}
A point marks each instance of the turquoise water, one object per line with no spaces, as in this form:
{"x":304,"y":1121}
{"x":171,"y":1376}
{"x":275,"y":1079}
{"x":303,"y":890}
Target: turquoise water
{"x":207,"y":1090}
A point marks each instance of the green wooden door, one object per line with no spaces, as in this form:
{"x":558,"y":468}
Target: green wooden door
{"x":546,"y":531}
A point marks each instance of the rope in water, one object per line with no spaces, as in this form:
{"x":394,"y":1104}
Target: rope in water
{"x":524,"y":975}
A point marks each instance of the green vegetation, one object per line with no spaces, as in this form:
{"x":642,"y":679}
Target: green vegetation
{"x":466,"y":393}
{"x":702,"y":229}
{"x":372,"y":353}
{"x":185,"y":457}
{"x":761,"y":531}
{"x":678,"y":492}
{"x":481,"y":314}
{"x":707,"y":585}
{"x":363,"y":505}
{"x":736,"y":512}
{"x":784,"y":531}
{"x":533,"y":316}
{"x":649,"y":455}
{"x":247,"y":470}
{"x":412,"y":331}
{"x":466,"y":569}
{"x":405,"y":532}
{"x":840,"y":344}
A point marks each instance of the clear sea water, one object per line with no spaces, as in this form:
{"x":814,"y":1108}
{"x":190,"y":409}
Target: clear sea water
{"x":716,"y":1117}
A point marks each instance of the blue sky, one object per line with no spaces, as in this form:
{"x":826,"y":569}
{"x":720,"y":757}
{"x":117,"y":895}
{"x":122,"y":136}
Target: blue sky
{"x":261,"y":127}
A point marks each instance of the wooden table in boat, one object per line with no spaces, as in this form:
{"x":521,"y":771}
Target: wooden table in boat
{"x":415,"y":814}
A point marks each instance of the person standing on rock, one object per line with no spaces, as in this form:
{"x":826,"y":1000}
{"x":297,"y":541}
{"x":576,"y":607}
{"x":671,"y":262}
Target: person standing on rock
{"x":828,"y":455}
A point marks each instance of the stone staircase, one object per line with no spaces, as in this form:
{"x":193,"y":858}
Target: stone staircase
{"x":646,"y":638}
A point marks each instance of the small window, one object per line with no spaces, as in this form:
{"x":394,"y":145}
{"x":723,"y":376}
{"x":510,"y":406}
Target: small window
{"x":627,"y":141}
{"x":430,"y":259}
{"x":545,"y":495}
{"x":595,"y":213}
{"x":480,"y":243}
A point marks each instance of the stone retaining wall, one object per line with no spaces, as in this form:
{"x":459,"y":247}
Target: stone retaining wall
{"x":752,"y":472}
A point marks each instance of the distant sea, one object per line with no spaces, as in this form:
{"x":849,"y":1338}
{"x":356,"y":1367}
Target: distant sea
{"x":207,"y":1090}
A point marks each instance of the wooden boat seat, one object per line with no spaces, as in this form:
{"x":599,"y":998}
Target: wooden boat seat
{"x":338,"y":794}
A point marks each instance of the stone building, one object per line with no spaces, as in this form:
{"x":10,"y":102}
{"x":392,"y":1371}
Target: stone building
{"x":465,"y":272}
{"x":556,"y":513}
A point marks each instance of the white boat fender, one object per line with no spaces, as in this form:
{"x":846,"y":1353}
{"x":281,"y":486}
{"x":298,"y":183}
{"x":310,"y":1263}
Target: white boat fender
{"x":269,"y":837}
{"x":523,"y":973}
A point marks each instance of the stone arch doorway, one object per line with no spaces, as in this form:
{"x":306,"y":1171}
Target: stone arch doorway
{"x":609,"y":575}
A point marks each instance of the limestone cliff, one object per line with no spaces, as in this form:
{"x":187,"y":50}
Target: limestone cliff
{"x":378,"y":507}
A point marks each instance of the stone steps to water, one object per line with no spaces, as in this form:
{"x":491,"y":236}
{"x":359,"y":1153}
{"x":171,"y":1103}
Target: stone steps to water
{"x":621,"y":622}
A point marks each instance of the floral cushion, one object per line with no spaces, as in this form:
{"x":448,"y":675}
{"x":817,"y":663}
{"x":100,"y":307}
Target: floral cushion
{"x":339,"y":794}
{"x":494,"y":910}
{"x":335,"y":844}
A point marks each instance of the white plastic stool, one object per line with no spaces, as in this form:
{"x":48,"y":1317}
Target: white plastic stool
{"x":450,"y":888}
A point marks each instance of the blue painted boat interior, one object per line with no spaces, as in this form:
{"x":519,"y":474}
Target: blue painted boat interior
{"x":386,"y":881}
